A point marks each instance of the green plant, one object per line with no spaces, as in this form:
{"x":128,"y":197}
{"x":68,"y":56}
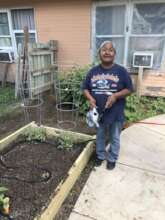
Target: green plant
{"x":4,"y":200}
{"x":8,"y":103}
{"x":70,"y":84}
{"x":65,"y":142}
{"x":144,"y":107}
{"x":36,"y":133}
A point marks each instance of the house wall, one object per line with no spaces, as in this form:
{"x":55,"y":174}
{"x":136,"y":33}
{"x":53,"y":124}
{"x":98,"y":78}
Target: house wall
{"x":69,"y":22}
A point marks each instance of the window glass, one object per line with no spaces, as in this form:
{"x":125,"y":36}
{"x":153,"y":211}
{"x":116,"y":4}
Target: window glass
{"x":5,"y":41}
{"x":22,"y":18}
{"x":4,"y":26}
{"x":149,"y":19}
{"x":20,"y":37}
{"x":149,"y":44}
{"x":110,"y":20}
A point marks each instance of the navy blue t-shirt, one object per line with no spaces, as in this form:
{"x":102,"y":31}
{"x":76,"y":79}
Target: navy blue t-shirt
{"x":101,"y":83}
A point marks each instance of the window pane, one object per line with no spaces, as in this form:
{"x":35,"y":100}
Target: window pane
{"x":110,"y":20}
{"x":119,"y":46}
{"x":150,"y":44}
{"x":149,"y":19}
{"x":22,"y":18}
{"x":4,"y":26}
{"x":5,"y":41}
{"x":20,"y":37}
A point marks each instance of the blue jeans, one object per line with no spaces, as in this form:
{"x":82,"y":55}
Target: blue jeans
{"x":114,"y":131}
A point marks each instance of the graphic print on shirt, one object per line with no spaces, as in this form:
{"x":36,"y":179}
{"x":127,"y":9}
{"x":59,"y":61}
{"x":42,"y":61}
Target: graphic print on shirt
{"x":104,"y":84}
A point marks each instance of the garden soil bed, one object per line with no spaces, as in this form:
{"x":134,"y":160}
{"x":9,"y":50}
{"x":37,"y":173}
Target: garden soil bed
{"x":15,"y":121}
{"x":31,"y":172}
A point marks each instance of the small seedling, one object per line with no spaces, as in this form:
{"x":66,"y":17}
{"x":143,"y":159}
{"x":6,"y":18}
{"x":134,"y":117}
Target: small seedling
{"x":37,"y":134}
{"x":65,"y":142}
{"x":4,"y":201}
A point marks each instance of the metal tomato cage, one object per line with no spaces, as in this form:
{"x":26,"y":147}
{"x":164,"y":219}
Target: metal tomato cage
{"x":32,"y":105}
{"x":31,"y":98}
{"x":67,"y":97}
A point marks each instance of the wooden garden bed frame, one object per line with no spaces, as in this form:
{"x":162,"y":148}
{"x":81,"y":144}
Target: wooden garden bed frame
{"x":64,"y":187}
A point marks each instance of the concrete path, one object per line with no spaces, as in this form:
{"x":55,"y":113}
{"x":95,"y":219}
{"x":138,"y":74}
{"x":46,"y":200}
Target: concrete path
{"x":135,"y":189}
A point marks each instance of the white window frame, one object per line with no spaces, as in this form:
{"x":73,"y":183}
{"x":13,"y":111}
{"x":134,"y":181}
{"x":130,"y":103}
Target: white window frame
{"x":147,"y":35}
{"x":104,"y":4}
{"x":10,"y":30}
{"x":129,"y":5}
{"x":13,"y":32}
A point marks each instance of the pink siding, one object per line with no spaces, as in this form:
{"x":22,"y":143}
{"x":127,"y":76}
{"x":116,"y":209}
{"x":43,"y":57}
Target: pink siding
{"x":69,"y":22}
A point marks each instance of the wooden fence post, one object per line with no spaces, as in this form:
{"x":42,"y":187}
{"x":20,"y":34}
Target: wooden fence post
{"x":139,"y":81}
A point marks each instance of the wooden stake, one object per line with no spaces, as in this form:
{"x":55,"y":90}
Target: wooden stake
{"x":139,"y":81}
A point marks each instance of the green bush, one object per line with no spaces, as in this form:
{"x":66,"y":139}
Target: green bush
{"x":136,"y":108}
{"x":71,"y":87}
{"x":144,"y":107}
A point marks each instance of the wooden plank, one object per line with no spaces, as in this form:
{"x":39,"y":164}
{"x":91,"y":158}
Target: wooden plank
{"x":9,"y":139}
{"x":78,"y":137}
{"x":139,"y":81}
{"x":40,"y":52}
{"x":64,"y":188}
{"x":153,"y":91}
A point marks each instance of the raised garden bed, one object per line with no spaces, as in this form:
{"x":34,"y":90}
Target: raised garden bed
{"x":38,"y":175}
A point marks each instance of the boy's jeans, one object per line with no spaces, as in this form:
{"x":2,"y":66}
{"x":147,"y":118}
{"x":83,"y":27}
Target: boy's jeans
{"x":114,"y":131}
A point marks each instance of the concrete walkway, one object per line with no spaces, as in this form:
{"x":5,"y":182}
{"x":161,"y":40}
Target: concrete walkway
{"x":135,"y":189}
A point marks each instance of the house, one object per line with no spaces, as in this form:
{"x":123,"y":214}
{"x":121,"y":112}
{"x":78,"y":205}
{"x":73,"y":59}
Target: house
{"x":80,"y":26}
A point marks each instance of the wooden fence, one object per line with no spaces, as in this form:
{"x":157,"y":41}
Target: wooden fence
{"x":40,"y":67}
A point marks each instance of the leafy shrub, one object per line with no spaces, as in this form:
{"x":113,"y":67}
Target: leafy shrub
{"x":144,"y":107}
{"x":70,"y":86}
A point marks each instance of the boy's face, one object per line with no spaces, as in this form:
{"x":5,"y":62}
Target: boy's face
{"x":107,"y":53}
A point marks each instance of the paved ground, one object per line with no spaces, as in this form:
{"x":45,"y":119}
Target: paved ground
{"x":135,"y":189}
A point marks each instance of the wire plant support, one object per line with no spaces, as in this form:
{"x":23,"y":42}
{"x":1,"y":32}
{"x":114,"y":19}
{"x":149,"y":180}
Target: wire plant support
{"x":31,"y":97}
{"x":67,"y":97}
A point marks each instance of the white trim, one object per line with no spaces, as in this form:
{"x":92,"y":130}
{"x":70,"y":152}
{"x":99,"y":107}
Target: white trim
{"x":109,"y":36}
{"x":147,"y":1}
{"x":110,"y":3}
{"x":7,"y":36}
{"x":21,"y":31}
{"x":147,"y":35}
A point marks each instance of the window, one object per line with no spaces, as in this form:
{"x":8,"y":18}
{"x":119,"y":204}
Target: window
{"x":12,"y":23}
{"x":5,"y":38}
{"x":20,"y":19}
{"x":110,"y":25}
{"x":148,"y":31}
{"x":132,"y":27}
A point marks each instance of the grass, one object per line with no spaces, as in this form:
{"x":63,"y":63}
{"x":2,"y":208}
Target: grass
{"x":8,"y":103}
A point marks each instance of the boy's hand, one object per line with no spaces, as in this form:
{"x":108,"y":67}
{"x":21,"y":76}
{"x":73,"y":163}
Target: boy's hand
{"x":110,"y":101}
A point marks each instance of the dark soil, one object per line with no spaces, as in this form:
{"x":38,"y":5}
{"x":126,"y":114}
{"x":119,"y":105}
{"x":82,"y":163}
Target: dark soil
{"x":31,"y":172}
{"x":29,"y":190}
